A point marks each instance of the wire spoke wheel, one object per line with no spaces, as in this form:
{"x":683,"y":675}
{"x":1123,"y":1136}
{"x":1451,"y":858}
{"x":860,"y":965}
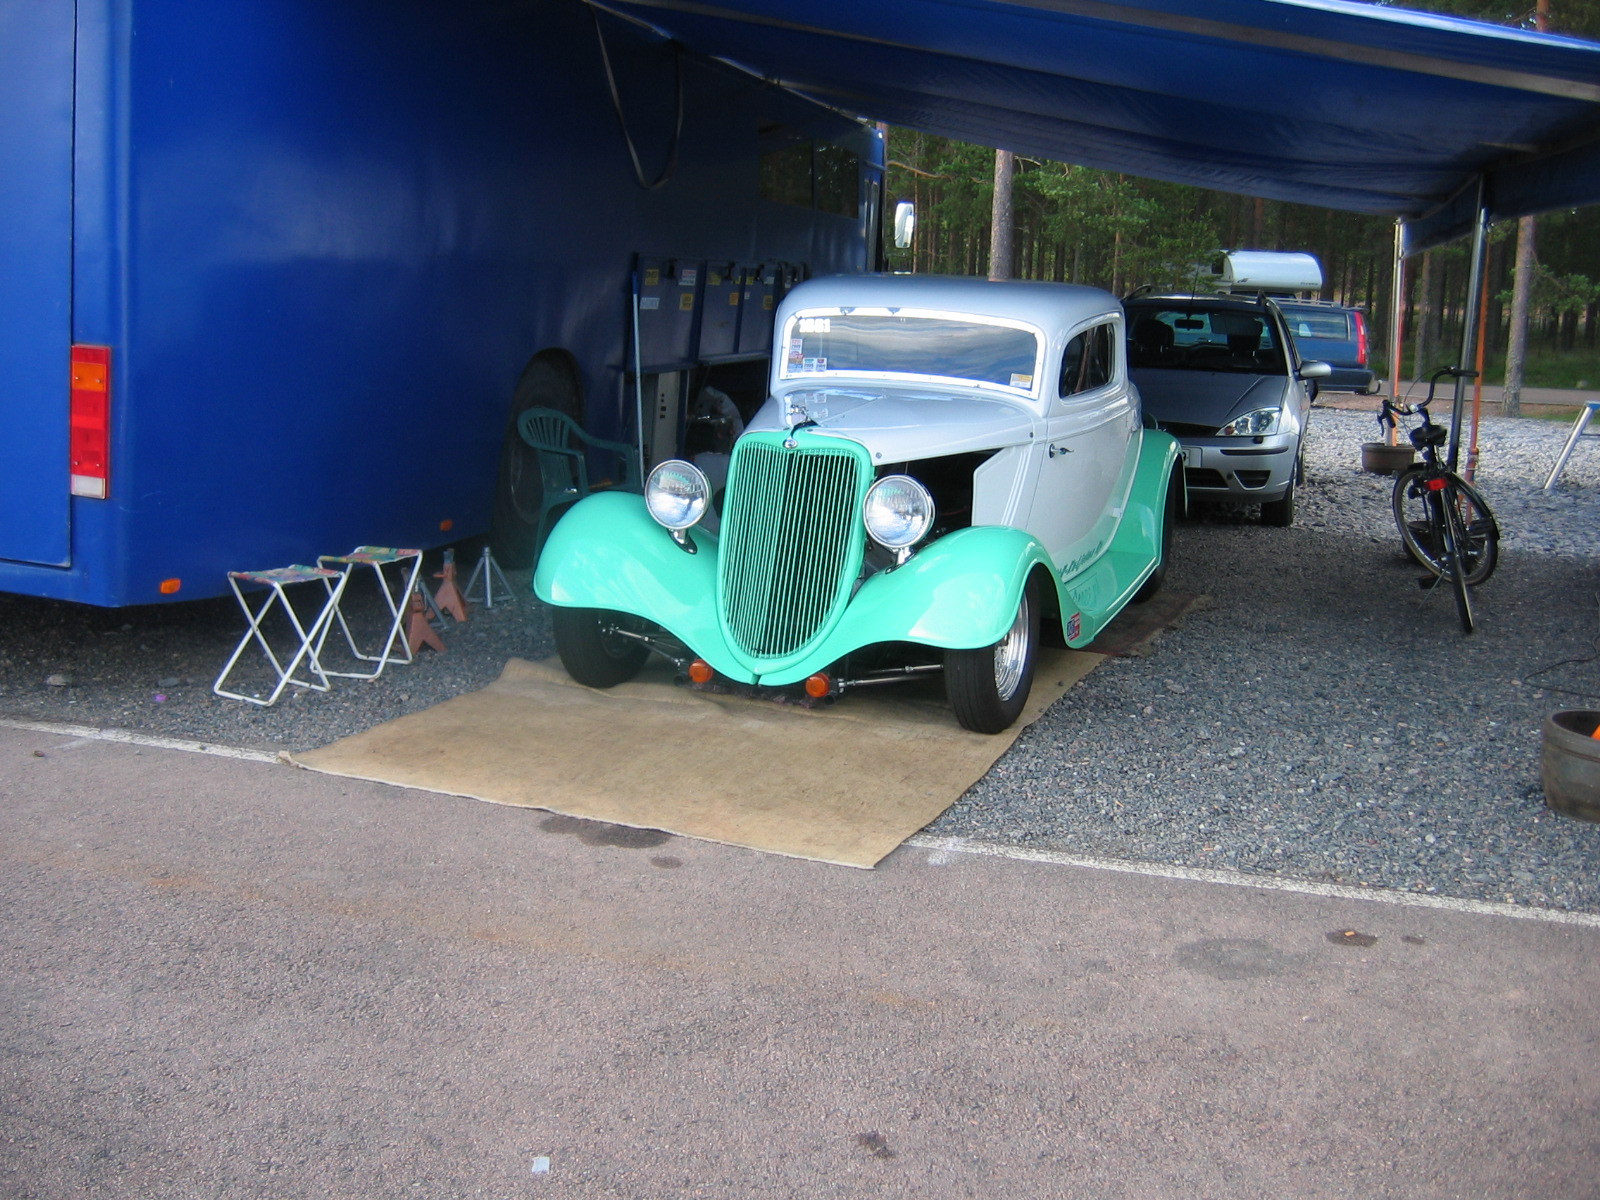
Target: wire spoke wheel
{"x":989,"y":686}
{"x":1424,"y":538}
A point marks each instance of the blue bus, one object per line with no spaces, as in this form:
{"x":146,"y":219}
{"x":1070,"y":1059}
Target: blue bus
{"x":277,"y":276}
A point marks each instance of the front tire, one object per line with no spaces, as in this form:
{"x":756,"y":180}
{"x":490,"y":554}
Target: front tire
{"x":1279,"y":513}
{"x":988,"y":687}
{"x":591,"y":654}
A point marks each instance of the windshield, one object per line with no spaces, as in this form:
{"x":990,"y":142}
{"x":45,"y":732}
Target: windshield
{"x":942,"y":346}
{"x":1197,"y":338}
{"x":1318,"y":323}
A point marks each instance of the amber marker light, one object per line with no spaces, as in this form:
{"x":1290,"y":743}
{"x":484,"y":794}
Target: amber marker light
{"x":169,"y":587}
{"x":818,"y":685}
{"x":446,"y":525}
{"x":700,"y":671}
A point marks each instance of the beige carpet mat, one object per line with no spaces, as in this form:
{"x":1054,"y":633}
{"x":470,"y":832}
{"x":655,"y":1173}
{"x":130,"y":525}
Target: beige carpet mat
{"x":842,"y":784}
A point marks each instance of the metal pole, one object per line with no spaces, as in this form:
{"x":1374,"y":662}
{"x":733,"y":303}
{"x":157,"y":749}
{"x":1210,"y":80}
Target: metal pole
{"x":1469,"y":322}
{"x":1397,"y":317}
{"x":1477,"y":384}
{"x":638,"y":380}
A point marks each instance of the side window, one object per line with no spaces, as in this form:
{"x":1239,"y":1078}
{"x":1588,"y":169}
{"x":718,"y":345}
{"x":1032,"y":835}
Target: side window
{"x":1088,"y":362}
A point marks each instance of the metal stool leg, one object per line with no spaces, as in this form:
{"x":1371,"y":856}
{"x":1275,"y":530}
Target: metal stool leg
{"x":309,"y":638}
{"x":489,"y":572}
{"x":395,"y":646}
{"x":1572,"y":441}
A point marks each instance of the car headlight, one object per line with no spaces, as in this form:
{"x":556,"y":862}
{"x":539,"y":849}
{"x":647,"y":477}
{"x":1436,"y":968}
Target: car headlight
{"x":1252,"y":424}
{"x":676,"y":494}
{"x":898,"y":511}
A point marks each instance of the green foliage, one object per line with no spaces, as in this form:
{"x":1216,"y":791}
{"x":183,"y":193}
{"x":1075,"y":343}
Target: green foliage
{"x":1114,"y":231}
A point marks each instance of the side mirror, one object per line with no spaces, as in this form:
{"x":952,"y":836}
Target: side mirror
{"x":905,"y":223}
{"x":1315,"y":370}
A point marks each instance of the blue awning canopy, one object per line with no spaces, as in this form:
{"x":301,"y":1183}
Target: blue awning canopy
{"x":1323,"y":102}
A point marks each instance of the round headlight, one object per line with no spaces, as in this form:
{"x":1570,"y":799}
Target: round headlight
{"x":677,"y":493}
{"x":898,"y":511}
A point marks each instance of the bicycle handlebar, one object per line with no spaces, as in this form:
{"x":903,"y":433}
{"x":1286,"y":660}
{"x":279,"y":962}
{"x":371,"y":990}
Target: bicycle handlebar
{"x":1386,"y":414}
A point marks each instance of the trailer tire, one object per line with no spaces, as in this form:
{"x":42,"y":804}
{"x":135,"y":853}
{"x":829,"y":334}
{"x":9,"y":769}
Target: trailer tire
{"x":549,"y":381}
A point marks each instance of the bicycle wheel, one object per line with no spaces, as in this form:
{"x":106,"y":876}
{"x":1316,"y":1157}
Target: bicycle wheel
{"x":1453,"y":534}
{"x":1481,"y":548}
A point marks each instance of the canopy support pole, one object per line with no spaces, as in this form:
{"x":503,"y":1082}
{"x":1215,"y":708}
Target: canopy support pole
{"x":1397,"y":316}
{"x":1469,"y":321}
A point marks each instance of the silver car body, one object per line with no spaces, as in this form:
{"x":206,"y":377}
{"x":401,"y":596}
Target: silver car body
{"x":1206,"y":363}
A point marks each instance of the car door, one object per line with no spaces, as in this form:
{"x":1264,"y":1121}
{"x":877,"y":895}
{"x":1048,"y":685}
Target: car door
{"x":1085,"y":466}
{"x":1300,"y":392}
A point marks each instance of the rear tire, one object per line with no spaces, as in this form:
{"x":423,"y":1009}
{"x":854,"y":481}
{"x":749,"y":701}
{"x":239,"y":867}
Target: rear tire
{"x":988,"y":687}
{"x":1455,"y":537}
{"x":592,"y":656}
{"x":1409,"y":501}
{"x":547,"y":382}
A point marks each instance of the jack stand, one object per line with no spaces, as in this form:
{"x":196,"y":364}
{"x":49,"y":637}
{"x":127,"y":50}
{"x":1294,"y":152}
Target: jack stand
{"x":447,"y":596}
{"x":489,"y":571}
{"x":419,"y":632}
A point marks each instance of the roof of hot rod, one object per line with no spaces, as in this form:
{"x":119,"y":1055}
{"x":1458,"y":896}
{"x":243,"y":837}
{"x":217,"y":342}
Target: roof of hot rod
{"x":1055,"y":308}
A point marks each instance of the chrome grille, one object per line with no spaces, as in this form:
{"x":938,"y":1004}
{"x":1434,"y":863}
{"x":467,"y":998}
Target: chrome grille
{"x":789,"y":543}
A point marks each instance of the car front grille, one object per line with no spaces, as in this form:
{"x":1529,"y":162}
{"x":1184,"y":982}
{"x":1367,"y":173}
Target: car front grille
{"x":791,"y":541}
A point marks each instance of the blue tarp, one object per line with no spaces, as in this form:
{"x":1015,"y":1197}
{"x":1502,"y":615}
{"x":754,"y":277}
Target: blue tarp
{"x":1323,"y":102}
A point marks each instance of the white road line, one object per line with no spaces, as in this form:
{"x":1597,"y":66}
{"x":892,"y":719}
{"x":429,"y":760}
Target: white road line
{"x":141,"y":739}
{"x":947,"y":847}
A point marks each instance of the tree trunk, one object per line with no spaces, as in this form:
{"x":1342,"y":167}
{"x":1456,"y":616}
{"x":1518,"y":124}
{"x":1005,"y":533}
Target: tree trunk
{"x":1521,"y":292}
{"x":1002,"y":221}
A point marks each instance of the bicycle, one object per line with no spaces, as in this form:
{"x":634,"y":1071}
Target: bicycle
{"x":1444,"y":523}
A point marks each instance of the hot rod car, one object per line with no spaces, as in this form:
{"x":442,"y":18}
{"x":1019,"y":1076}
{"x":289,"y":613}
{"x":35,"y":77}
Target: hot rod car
{"x":943,"y":471}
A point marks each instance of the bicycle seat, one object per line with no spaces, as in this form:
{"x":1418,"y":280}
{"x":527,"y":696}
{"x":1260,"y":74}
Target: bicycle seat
{"x":1429,"y":435}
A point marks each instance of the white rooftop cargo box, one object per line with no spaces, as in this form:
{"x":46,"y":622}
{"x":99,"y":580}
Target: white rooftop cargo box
{"x":1272,"y":271}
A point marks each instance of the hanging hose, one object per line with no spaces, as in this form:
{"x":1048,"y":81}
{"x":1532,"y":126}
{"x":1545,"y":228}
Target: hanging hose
{"x":671,"y":167}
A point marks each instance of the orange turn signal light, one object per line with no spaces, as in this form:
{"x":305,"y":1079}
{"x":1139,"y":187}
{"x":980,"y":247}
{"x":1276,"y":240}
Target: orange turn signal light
{"x":446,"y":525}
{"x":700,"y":671}
{"x":818,"y":686}
{"x":169,"y":587}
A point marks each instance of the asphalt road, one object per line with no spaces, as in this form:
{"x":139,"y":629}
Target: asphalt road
{"x":225,"y":978}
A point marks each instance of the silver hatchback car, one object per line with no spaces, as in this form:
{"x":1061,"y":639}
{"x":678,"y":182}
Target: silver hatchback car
{"x":1222,"y":375}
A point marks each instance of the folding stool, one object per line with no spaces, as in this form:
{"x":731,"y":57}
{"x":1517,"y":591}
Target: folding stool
{"x":309,"y":636}
{"x":395,"y":646}
{"x":1590,"y":407}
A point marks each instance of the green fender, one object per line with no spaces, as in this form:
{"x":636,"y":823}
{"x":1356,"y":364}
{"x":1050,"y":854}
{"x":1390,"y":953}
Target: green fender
{"x":607,"y":551}
{"x":959,"y":593}
{"x":1091,"y":596}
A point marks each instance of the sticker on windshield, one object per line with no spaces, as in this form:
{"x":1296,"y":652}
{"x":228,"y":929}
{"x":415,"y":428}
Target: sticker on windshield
{"x":813,"y":364}
{"x":1021,"y":381}
{"x":796,"y":351}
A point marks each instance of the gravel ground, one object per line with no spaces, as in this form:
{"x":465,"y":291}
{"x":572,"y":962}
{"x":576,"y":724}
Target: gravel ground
{"x":1317,"y":716}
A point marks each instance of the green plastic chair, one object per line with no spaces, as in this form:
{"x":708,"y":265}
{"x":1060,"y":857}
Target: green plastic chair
{"x":563,"y":448}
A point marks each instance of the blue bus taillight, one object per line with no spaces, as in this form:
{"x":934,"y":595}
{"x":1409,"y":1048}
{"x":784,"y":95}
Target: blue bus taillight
{"x":89,"y":440}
